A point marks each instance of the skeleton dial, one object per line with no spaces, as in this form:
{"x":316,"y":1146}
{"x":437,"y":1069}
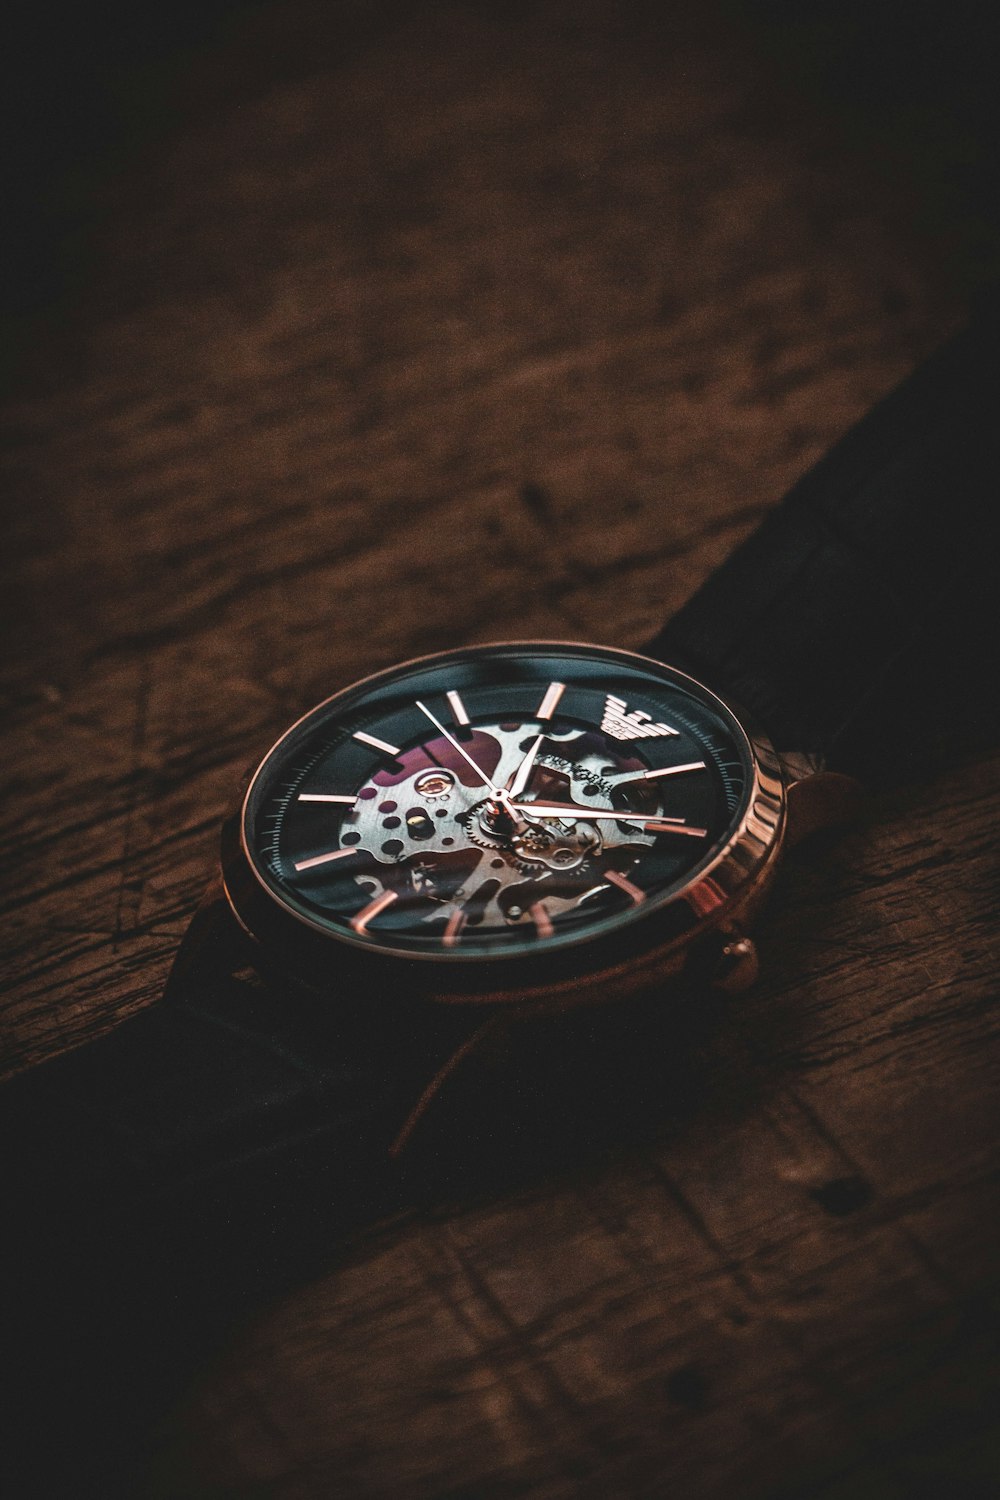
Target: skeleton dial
{"x":487,"y":801}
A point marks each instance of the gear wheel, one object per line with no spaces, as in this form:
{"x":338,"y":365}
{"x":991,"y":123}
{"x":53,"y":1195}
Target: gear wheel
{"x":534,"y":840}
{"x":477,"y":834}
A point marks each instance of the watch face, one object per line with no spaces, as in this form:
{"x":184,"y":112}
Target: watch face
{"x":498,"y":801}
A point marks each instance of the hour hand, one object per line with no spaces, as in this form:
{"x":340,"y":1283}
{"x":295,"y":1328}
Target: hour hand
{"x":519,"y":780}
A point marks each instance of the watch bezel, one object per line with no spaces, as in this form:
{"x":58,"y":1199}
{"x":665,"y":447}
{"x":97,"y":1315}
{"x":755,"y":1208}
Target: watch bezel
{"x":724,"y":894}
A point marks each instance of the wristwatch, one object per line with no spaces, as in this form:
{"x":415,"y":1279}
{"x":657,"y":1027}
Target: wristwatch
{"x":485,"y":839}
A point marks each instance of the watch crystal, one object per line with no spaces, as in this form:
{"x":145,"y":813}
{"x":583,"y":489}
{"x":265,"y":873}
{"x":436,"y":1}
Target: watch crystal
{"x":484,"y":802}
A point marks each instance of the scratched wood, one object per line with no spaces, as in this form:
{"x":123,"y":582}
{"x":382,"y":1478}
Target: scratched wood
{"x":395,"y":330}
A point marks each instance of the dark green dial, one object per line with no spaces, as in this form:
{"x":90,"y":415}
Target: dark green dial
{"x":485,"y":802}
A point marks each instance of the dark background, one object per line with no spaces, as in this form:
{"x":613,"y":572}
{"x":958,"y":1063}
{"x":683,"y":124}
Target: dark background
{"x":337,"y":333}
{"x":87,"y":90}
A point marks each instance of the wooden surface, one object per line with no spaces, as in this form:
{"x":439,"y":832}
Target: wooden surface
{"x":363,"y":331}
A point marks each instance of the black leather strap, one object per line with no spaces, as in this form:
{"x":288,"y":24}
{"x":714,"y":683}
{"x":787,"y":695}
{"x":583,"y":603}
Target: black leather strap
{"x":231,"y":1091}
{"x":859,"y":622}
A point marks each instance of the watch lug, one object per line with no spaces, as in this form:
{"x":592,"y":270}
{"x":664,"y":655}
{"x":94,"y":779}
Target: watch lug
{"x":817,"y":798}
{"x":215,"y":943}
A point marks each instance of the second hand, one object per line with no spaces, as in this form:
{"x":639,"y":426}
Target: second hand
{"x":464,"y":753}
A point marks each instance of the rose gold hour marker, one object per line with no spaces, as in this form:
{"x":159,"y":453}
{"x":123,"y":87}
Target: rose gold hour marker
{"x":541,"y":919}
{"x":326,"y":797}
{"x":692,"y":765}
{"x":624,"y":884}
{"x":457,"y":707}
{"x":673,"y":825}
{"x":455,"y":924}
{"x":323,"y":859}
{"x":360,"y":922}
{"x":548,"y":705}
{"x":375,"y":742}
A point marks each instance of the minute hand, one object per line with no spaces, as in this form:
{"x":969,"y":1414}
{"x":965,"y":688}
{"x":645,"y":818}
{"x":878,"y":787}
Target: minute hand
{"x":570,"y":809}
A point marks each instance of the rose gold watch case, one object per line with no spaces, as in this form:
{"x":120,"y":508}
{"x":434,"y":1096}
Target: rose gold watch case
{"x":686,"y":931}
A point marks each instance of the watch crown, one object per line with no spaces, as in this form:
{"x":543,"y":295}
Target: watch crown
{"x":737,"y":965}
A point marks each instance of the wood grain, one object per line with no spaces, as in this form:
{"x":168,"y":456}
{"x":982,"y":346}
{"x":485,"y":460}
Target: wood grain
{"x":394,"y":331}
